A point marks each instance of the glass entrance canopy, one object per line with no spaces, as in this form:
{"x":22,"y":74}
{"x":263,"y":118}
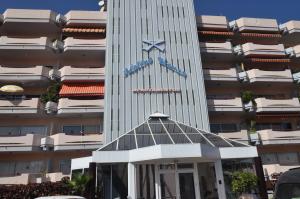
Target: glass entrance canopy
{"x":159,"y":130}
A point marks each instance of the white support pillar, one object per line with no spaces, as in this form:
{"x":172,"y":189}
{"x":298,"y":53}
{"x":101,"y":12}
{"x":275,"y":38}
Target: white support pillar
{"x":220,"y":179}
{"x":131,"y":181}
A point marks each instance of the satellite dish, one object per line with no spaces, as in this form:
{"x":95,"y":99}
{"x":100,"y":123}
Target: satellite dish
{"x":101,"y":3}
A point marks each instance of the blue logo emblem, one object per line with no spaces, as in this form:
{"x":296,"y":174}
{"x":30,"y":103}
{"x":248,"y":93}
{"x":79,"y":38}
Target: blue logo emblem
{"x":154,"y":44}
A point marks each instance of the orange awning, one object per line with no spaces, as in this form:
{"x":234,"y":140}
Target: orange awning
{"x":216,"y":33}
{"x":261,"y":60}
{"x":84,"y":30}
{"x":260,"y":35}
{"x":88,"y":89}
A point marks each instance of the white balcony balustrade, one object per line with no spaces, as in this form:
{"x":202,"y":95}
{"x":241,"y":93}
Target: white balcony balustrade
{"x":291,"y":27}
{"x":28,"y":74}
{"x":62,"y":141}
{"x":269,"y":137}
{"x":258,"y":50}
{"x":69,"y":73}
{"x":70,"y":106}
{"x":20,"y":107}
{"x":93,"y":19}
{"x":222,"y":48}
{"x":256,"y":75}
{"x":241,"y":136}
{"x":225,"y":105}
{"x":29,"y":142}
{"x":206,"y":22}
{"x":221,"y":75}
{"x":277,"y":105}
{"x":254,"y":25}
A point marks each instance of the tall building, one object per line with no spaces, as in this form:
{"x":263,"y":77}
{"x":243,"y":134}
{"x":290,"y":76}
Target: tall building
{"x":61,"y":58}
{"x":187,"y":98}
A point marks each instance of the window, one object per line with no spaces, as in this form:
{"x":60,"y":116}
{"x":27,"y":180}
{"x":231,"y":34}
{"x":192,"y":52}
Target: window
{"x":22,"y":130}
{"x":65,"y":166}
{"x":79,"y":129}
{"x":223,"y":128}
{"x":285,"y":126}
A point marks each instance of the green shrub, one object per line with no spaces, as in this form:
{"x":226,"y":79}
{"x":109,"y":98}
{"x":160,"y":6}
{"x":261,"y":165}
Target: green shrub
{"x":52,"y":93}
{"x":243,"y":182}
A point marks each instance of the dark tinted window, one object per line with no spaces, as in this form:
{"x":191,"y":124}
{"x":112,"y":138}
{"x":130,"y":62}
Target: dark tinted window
{"x":288,"y":191}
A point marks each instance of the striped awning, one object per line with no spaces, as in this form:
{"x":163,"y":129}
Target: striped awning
{"x":84,"y":30}
{"x":260,"y":35}
{"x":262,"y":60}
{"x":216,"y":33}
{"x":82,"y":89}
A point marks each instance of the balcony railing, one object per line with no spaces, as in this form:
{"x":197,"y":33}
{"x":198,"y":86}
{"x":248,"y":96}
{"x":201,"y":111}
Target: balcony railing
{"x":62,"y":141}
{"x":241,"y":136}
{"x":279,"y":137}
{"x":256,"y":75}
{"x":220,"y":75}
{"x":68,"y":73}
{"x":291,"y":27}
{"x":26,"y":106}
{"x":40,"y":43}
{"x":257,"y":50}
{"x":222,"y":48}
{"x":37,"y":73}
{"x":28,"y":142}
{"x":277,"y":105}
{"x":293,"y":51}
{"x":71,"y":44}
{"x":26,"y":178}
{"x":66,"y":106}
{"x":254,"y":25}
{"x":30,"y":16}
{"x":93,"y":19}
{"x":226,"y":105}
{"x":212,"y":22}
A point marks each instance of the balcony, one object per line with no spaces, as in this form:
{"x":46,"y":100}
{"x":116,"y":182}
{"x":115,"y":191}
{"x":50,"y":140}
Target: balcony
{"x":70,"y":74}
{"x":229,"y":75}
{"x":23,"y":75}
{"x":291,"y":27}
{"x":20,"y":107}
{"x":269,"y":137}
{"x":225,"y":105}
{"x":30,"y":22}
{"x":38,"y":48}
{"x":257,"y":50}
{"x":70,"y":106}
{"x":26,"y":178}
{"x":29,"y":142}
{"x":62,"y":141}
{"x":241,"y":136}
{"x":255,"y":25}
{"x":256,"y":75}
{"x":277,"y":105}
{"x":205,"y":22}
{"x":93,"y":19}
{"x":215,"y":51}
{"x":293,"y":51}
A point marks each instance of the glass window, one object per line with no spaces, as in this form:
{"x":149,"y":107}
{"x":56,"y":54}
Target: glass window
{"x":9,"y":131}
{"x":91,"y":129}
{"x":223,"y":128}
{"x":72,"y":130}
{"x":288,"y":191}
{"x":215,"y":128}
{"x":41,"y":130}
{"x":65,"y":166}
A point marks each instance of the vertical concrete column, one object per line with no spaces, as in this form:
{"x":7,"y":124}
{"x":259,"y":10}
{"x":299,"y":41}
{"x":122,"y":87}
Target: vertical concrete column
{"x":91,"y":185}
{"x":261,"y":178}
{"x":220,"y":179}
{"x":131,"y":181}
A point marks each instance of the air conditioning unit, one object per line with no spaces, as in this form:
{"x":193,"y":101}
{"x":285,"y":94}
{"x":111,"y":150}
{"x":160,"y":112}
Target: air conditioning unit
{"x":60,"y":19}
{"x":58,"y":45}
{"x":47,"y":144}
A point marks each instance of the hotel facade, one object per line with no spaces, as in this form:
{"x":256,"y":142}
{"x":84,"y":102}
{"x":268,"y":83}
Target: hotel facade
{"x":188,"y":99}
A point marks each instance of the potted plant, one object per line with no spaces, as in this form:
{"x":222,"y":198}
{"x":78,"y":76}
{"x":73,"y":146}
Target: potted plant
{"x":78,"y":183}
{"x":51,"y":97}
{"x":253,"y":135}
{"x":248,"y":100}
{"x":243,"y":184}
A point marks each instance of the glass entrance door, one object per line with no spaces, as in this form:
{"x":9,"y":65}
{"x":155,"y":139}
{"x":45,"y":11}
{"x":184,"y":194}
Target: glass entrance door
{"x":176,"y":183}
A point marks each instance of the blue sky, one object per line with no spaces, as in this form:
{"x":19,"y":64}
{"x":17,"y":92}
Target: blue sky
{"x":282,"y":10}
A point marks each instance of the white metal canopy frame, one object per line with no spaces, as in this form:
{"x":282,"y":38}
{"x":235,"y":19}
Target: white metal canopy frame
{"x":162,"y":138}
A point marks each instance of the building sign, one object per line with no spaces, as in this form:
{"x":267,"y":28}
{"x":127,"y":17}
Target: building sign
{"x":156,"y":90}
{"x":162,"y":61}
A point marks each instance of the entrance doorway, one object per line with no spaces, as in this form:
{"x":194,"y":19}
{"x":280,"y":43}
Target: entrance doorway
{"x":178,"y":181}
